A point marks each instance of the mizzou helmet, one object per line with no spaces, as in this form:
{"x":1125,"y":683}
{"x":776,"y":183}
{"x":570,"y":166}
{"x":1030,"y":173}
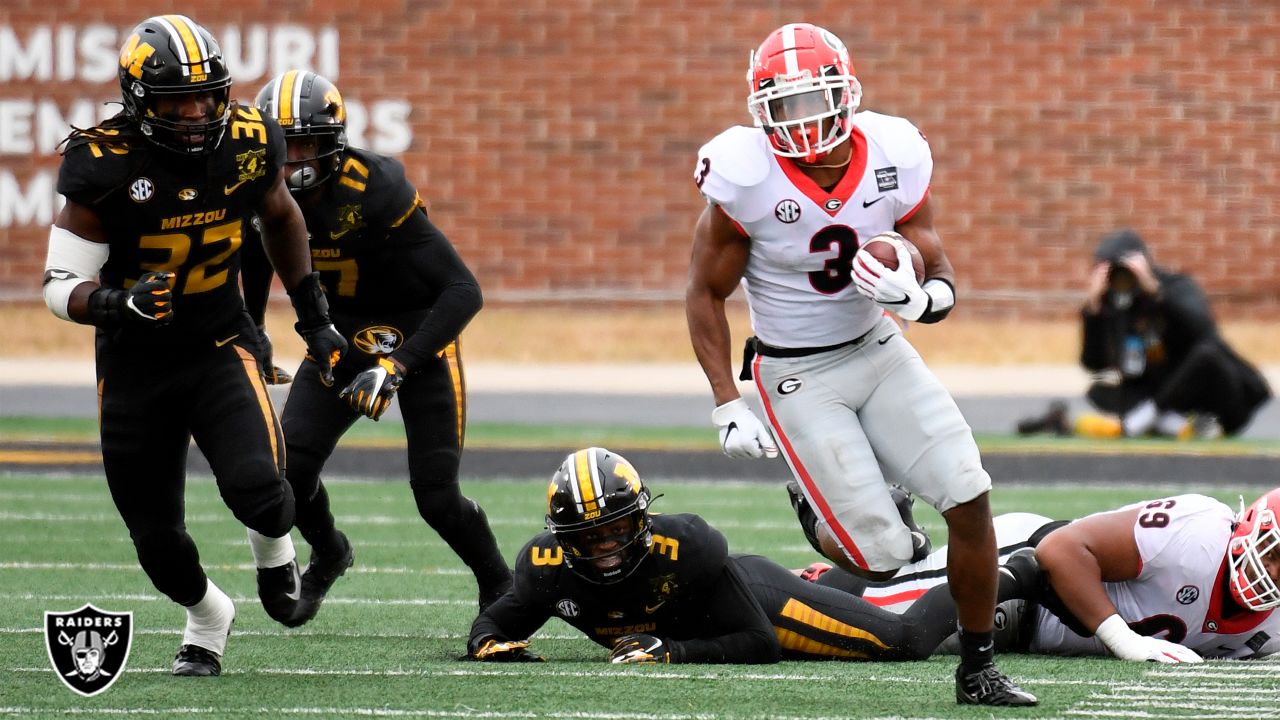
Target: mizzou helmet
{"x":591,"y":489}
{"x":172,"y":55}
{"x":306,"y":104}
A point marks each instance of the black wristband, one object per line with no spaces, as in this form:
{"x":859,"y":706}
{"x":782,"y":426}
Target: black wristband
{"x":105,"y":306}
{"x":309,"y":304}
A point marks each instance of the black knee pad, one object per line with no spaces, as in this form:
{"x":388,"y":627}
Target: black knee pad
{"x":260,"y":499}
{"x":442,"y":505}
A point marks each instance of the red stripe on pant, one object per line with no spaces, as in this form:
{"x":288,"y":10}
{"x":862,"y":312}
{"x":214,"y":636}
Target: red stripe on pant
{"x":802,"y":473}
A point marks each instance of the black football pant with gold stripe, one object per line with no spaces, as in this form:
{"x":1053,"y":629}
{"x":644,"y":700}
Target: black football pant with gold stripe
{"x":432,"y":402}
{"x":153,"y":401}
{"x":813,"y":621}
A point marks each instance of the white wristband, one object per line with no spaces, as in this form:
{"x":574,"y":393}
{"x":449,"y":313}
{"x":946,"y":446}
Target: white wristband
{"x":941,"y":296}
{"x":1114,"y":632}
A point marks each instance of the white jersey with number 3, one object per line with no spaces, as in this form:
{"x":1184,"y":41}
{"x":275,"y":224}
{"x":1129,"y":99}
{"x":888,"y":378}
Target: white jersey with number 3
{"x":1180,"y":594}
{"x":803,"y":237}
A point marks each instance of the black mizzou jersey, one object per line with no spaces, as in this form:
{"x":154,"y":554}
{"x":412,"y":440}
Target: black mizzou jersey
{"x":685,"y":590}
{"x":161,"y":210}
{"x":365,"y":267}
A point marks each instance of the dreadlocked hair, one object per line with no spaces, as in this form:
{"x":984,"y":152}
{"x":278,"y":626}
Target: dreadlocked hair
{"x":119,"y":130}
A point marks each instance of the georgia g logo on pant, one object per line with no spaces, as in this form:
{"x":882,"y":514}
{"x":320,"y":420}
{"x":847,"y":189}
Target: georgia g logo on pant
{"x":88,"y":647}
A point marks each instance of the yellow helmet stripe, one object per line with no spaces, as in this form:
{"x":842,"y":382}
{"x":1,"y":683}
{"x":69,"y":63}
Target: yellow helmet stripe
{"x":188,"y":41}
{"x":583,"y":462}
{"x":285,"y":102}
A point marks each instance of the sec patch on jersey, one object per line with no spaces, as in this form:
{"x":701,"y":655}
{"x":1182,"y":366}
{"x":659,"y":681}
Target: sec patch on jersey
{"x":884,"y":247}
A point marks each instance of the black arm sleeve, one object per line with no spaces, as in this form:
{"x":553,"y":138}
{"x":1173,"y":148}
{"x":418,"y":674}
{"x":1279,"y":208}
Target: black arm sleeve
{"x":738,"y":629}
{"x":255,"y":273}
{"x":509,"y":618}
{"x":436,"y":261}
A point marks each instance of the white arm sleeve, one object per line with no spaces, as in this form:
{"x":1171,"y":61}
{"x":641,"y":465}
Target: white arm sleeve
{"x":72,"y":260}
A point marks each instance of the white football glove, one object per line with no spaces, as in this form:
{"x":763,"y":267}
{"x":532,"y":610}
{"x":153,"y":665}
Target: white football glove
{"x":742,"y":435}
{"x":1126,"y":644}
{"x":894,"y":290}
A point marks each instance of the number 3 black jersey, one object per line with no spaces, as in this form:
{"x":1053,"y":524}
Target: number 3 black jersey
{"x":164,"y":211}
{"x":684,"y":592}
{"x":711,"y":606}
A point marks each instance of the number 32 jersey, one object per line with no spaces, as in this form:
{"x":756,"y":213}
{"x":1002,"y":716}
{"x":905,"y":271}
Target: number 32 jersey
{"x":161,"y":210}
{"x":1181,"y":593}
{"x":803,"y":237}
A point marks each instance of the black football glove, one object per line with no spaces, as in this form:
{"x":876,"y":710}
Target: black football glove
{"x":639,"y":649}
{"x":272,"y":373}
{"x":325,"y":345}
{"x":149,"y":303}
{"x":490,"y":649}
{"x":371,"y":391}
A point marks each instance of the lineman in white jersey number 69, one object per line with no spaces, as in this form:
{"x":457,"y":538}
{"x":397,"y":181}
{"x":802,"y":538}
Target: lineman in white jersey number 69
{"x":853,"y":407}
{"x":1171,"y":580}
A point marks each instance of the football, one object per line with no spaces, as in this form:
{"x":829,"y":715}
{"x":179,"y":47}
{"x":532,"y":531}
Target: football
{"x":883,"y":247}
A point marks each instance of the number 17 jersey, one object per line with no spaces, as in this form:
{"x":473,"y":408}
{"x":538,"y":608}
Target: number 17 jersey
{"x":803,"y":237}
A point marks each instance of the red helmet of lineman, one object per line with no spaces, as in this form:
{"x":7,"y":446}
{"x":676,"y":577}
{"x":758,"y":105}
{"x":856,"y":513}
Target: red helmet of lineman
{"x":803,"y":91}
{"x":1257,"y":536}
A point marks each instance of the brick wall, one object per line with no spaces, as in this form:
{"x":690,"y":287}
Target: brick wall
{"x":554,"y":139}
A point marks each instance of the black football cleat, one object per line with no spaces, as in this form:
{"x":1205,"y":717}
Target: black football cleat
{"x":279,"y":589}
{"x":322,"y":572}
{"x":804,"y":512}
{"x":921,"y":546}
{"x":195,"y":661}
{"x":989,"y":686}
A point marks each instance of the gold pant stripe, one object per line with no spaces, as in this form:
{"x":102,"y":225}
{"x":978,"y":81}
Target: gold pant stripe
{"x":453,"y":356}
{"x":795,"y":642}
{"x":805,"y":615}
{"x":264,"y":402}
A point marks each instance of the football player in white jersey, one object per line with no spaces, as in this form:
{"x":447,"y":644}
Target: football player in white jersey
{"x":790,"y":202}
{"x":1171,"y":580}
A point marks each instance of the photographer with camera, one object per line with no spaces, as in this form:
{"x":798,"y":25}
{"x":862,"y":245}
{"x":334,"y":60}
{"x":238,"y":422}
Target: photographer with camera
{"x":1160,"y":366}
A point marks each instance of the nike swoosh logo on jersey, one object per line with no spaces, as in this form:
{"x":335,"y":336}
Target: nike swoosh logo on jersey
{"x":651,"y":609}
{"x":869,"y":203}
{"x":220,"y":343}
{"x":336,"y":235}
{"x":882,"y":341}
{"x":903,"y":301}
{"x":228,"y":189}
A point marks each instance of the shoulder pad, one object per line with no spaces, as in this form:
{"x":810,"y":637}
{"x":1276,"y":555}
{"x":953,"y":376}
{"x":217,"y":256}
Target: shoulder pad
{"x":902,"y":142}
{"x":90,"y":170}
{"x":385,"y":190}
{"x":736,"y":158}
{"x":540,"y":553}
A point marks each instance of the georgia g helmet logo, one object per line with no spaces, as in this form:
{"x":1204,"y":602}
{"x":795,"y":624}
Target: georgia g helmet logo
{"x":88,"y":647}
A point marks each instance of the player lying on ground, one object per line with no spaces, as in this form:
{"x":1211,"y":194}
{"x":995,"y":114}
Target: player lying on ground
{"x":1170,"y":580}
{"x":664,"y":588}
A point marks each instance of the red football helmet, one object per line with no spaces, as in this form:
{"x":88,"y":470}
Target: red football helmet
{"x":1256,"y":536}
{"x":803,"y":92}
